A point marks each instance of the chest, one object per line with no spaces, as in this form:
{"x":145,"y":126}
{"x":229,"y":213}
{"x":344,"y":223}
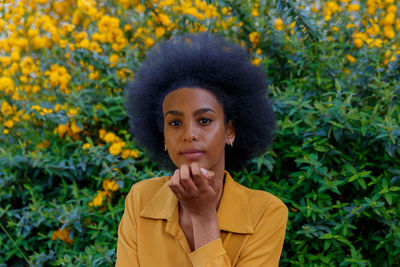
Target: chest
{"x":164,"y":243}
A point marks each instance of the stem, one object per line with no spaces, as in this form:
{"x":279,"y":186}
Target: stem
{"x":15,"y":244}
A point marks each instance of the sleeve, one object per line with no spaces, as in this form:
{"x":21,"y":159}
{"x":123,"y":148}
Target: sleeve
{"x":264,"y":247}
{"x":211,"y":254}
{"x":127,"y":246}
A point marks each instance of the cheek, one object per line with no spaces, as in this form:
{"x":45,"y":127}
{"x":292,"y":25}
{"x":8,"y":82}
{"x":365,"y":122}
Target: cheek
{"x":169,"y":136}
{"x":218,"y":139}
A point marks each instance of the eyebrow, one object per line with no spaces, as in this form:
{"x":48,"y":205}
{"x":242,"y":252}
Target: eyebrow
{"x":197,"y":112}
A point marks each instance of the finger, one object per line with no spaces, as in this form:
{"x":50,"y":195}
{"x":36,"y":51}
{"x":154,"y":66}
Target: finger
{"x":203,"y":171}
{"x":184,"y":174}
{"x":186,"y":180}
{"x":209,"y":176}
{"x":174,"y":182}
{"x":172,"y":179}
{"x":197,"y":175}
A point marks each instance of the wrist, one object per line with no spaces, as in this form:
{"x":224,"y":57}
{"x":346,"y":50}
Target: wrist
{"x":205,"y":216}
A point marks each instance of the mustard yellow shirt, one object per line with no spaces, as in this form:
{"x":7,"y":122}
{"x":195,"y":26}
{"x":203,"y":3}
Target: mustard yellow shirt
{"x":252,"y":224}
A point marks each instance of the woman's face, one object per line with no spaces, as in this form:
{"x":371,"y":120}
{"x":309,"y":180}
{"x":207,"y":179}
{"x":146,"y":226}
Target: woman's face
{"x":194,"y":128}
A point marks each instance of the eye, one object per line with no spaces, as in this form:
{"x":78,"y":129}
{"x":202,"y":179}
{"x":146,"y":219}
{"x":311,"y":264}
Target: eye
{"x":174,"y":123}
{"x":205,"y":121}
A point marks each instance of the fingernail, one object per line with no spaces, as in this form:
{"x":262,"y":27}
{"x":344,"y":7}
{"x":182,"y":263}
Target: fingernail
{"x":203,"y":170}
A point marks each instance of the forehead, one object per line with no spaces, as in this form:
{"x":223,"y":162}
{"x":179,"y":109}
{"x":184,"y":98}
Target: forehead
{"x":191,"y":99}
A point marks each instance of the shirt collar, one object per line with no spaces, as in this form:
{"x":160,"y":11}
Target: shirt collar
{"x":233,"y":213}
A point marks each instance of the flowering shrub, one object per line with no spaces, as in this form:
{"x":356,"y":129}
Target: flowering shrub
{"x":67,"y":159}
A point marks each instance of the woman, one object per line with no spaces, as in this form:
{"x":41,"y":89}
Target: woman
{"x":197,"y":105}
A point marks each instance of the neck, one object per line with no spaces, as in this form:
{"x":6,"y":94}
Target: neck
{"x":219,"y":179}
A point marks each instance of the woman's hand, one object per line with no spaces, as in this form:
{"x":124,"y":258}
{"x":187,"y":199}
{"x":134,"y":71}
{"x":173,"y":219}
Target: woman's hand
{"x":195,"y":190}
{"x":199,"y":197}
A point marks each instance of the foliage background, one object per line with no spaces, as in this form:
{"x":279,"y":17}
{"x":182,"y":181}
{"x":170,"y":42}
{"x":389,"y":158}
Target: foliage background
{"x":67,"y":159}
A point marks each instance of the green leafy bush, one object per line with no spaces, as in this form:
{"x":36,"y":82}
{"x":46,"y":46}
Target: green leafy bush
{"x":67,"y":159}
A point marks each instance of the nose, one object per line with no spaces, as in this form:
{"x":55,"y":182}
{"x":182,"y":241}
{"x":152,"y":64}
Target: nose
{"x":190,"y":133}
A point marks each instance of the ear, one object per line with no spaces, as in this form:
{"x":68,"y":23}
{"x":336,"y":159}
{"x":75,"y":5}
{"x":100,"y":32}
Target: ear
{"x":230,"y":133}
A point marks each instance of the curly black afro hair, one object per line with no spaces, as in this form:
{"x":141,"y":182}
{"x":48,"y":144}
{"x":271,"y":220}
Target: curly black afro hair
{"x":210,"y":62}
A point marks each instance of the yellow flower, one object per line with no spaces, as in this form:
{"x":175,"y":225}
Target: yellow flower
{"x":57,"y":107}
{"x":254,"y":12}
{"x":58,"y":76}
{"x":333,"y":7}
{"x":25,"y":117}
{"x":140,"y":8}
{"x":115,"y":149}
{"x":350,"y":58}
{"x":127,"y":27}
{"x":254,"y":38}
{"x":166,"y":3}
{"x":9,"y":123}
{"x":97,"y":200}
{"x":27,"y":65}
{"x":23,"y":79}
{"x":62,"y":234}
{"x":149,"y":42}
{"x":109,"y":137}
{"x":164,"y":19}
{"x":358,"y":42}
{"x":192,"y":11}
{"x":6,"y":85}
{"x":371,"y":10}
{"x":93,"y":75}
{"x":373,"y":30}
{"x":376,"y":43}
{"x":86,"y":146}
{"x":44,"y":144}
{"x":388,"y":32}
{"x":114,"y":58}
{"x":256,"y":61}
{"x":134,"y":153}
{"x":47,"y":110}
{"x":6,"y":109}
{"x":15,"y":56}
{"x":110,"y":185}
{"x":72,"y":112}
{"x":314,"y":8}
{"x":391,"y":9}
{"x":389,"y":19}
{"x":225,"y":11}
{"x":62,"y":129}
{"x":159,"y":31}
{"x":279,"y":24}
{"x":125,"y":153}
{"x":353,"y":7}
{"x":335,"y":29}
{"x":5,"y":61}
{"x":6,"y":131}
{"x":102,"y":133}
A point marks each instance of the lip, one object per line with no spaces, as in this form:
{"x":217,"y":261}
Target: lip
{"x":193,"y":153}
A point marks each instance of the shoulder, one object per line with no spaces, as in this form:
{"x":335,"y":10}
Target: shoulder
{"x":145,"y":190}
{"x":150,"y":184}
{"x":264,"y":206}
